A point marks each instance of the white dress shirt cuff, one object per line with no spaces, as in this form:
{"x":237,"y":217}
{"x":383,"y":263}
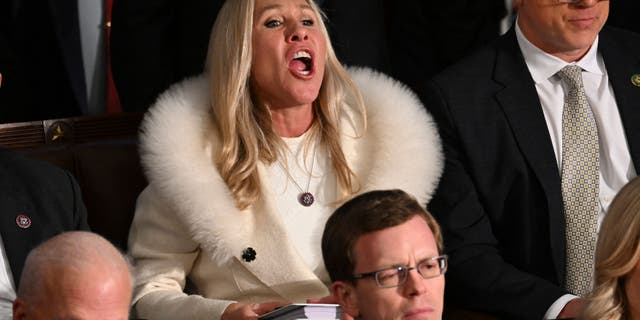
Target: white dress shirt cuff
{"x":556,"y":307}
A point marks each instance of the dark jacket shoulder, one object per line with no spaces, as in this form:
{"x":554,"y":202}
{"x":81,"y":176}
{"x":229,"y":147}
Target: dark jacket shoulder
{"x":41,"y":189}
{"x":27,"y":169}
{"x":627,"y":40}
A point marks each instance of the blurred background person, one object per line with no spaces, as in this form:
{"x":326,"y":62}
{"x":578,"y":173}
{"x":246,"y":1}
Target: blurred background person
{"x":247,"y":162}
{"x":383,"y":252}
{"x":74,"y":275}
{"x":616,"y":293}
{"x":53,"y":58}
{"x":156,"y":43}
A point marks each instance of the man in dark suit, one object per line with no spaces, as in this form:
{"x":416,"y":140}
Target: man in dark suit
{"x":40,"y":60}
{"x":500,"y":201}
{"x":37,"y":201}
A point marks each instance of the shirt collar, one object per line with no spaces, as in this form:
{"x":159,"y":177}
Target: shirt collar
{"x":543,"y":66}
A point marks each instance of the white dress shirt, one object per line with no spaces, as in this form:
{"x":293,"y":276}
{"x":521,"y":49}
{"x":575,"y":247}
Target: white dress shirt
{"x":7,"y":288}
{"x":509,"y":18}
{"x":616,"y":167}
{"x":93,"y":43}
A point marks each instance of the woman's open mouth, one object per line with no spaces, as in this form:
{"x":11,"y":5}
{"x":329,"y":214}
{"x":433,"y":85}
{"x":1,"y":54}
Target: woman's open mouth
{"x":302,"y":63}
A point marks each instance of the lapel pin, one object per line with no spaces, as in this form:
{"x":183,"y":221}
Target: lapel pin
{"x":23,"y":221}
{"x":248,"y":254}
{"x":635,"y":79}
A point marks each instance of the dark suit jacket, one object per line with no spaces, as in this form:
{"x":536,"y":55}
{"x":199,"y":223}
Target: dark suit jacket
{"x":499,"y":200}
{"x":48,"y":195}
{"x":40,"y":60}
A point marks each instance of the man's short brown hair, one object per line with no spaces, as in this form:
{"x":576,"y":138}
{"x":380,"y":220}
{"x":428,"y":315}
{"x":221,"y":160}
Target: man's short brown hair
{"x":366,"y":213}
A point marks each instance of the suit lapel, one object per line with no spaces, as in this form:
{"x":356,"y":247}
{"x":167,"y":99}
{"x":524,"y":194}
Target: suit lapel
{"x":621,"y":66}
{"x":521,"y":105}
{"x":64,"y":15}
{"x":17,"y":241}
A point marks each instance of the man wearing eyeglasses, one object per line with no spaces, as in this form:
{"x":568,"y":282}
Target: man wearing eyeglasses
{"x":540,"y":129}
{"x":383,"y":252}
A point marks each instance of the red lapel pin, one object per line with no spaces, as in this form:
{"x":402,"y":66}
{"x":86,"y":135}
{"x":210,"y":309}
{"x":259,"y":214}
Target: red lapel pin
{"x":23,"y":221}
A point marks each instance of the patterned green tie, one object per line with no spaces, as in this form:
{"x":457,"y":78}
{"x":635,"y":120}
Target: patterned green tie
{"x":580,"y":182}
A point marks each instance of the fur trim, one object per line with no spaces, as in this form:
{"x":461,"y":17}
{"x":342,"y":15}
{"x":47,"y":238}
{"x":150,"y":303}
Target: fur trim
{"x":402,"y":143}
{"x":400,"y":149}
{"x":178,"y":159}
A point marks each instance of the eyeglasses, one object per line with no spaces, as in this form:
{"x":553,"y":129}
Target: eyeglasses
{"x":396,"y":276}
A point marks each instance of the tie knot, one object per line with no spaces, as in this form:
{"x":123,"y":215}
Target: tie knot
{"x":571,"y":75}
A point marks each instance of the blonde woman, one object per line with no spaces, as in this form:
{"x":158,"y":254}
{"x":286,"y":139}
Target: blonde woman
{"x":617,"y":272}
{"x":246,"y":163}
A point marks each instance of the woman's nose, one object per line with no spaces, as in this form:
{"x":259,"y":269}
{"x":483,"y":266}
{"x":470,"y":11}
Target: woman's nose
{"x":297,"y":33}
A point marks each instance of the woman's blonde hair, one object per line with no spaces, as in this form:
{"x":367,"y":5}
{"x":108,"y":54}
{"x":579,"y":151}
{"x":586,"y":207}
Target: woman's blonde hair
{"x":245,"y":126}
{"x":617,"y":254}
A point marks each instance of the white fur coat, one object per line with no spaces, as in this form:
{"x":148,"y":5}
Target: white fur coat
{"x":186,"y":223}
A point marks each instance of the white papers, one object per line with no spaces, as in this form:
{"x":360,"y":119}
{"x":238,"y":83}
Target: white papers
{"x":310,"y":311}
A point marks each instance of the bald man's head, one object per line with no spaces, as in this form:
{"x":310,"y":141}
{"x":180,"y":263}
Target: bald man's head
{"x":74,"y":275}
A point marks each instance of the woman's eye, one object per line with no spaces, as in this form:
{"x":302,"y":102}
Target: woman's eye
{"x":307,"y":22}
{"x":272,"y":23}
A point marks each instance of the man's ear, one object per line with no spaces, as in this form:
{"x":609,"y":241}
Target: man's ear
{"x":19,"y":309}
{"x":346,"y":296}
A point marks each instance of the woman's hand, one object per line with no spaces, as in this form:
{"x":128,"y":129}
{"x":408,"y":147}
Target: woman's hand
{"x":244,"y":311}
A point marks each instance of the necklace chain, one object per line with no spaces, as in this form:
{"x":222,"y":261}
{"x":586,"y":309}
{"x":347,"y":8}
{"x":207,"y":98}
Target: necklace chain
{"x":305,"y":197}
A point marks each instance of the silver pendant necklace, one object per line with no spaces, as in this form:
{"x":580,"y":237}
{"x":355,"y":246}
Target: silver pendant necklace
{"x":305,"y":197}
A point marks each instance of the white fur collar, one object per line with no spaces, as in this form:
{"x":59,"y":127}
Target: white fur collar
{"x":401,"y":149}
